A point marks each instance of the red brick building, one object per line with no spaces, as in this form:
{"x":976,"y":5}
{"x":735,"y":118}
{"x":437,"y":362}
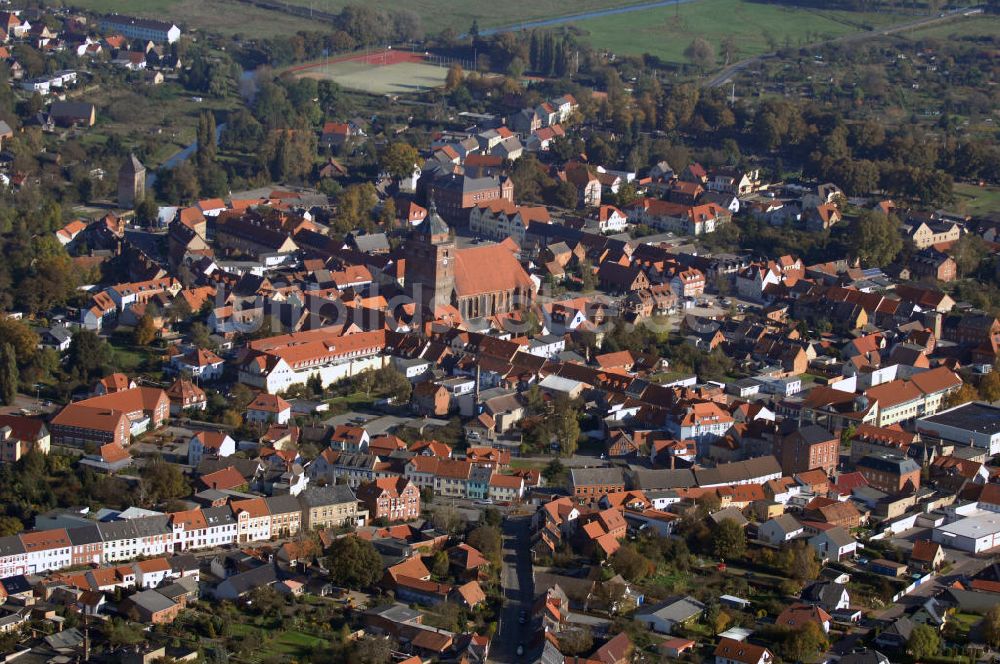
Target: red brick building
{"x":454,"y":195}
{"x":890,"y":473}
{"x":391,"y":498}
{"x":807,"y":448}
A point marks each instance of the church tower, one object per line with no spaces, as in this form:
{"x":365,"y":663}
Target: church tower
{"x":430,"y":262}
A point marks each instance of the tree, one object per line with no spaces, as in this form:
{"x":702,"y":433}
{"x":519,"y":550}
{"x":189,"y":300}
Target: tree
{"x":567,"y":430}
{"x":991,"y":626}
{"x":924,"y":642}
{"x":876,"y":239}
{"x":399,"y":159}
{"x":8,"y":375}
{"x":10,"y":525}
{"x":805,"y":643}
{"x":88,"y":355}
{"x":439,"y":564}
{"x":576,"y":641}
{"x":554,"y":472}
{"x":631,"y":564}
{"x":162,"y":481}
{"x":448,"y":519}
{"x":729,"y":540}
{"x":989,"y":386}
{"x":701,"y":53}
{"x":488,"y":541}
{"x":969,"y":252}
{"x":964,"y":394}
{"x":147,"y":211}
{"x":354,"y":562}
{"x":373,"y":650}
{"x":453,"y":80}
{"x":803,"y":564}
{"x":145,"y":331}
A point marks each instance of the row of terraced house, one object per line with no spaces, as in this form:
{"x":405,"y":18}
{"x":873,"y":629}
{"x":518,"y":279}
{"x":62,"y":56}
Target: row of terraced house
{"x":150,"y":535}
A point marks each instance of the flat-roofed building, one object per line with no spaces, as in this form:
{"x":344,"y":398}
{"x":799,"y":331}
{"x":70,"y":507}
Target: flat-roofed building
{"x":974,"y":423}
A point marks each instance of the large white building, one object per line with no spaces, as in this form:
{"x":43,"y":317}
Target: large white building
{"x":975,"y":423}
{"x":145,"y":29}
{"x":973,"y":534}
{"x":277,"y":363}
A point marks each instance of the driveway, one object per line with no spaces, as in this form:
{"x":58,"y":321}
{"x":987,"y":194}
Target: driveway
{"x":518,"y":585}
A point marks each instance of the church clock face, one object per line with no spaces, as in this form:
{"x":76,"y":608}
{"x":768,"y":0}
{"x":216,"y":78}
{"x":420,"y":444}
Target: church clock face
{"x":444,"y":261}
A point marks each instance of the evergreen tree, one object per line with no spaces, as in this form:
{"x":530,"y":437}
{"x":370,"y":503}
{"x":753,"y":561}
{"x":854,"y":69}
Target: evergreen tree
{"x":205,"y":152}
{"x":560,"y":64}
{"x":8,"y":375}
{"x":545,"y":66}
{"x":533,"y":51}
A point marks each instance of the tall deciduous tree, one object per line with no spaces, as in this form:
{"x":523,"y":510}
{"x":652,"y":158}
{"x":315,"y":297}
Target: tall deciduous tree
{"x":454,"y":77}
{"x":728,"y":540}
{"x":354,"y":562}
{"x":8,"y":374}
{"x":400,"y":159}
{"x":876,"y":239}
{"x":924,"y":642}
{"x":701,"y":53}
{"x":145,"y":331}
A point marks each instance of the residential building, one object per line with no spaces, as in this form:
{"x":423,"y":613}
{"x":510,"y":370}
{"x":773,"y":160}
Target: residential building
{"x":592,"y":483}
{"x":330,"y":506}
{"x":392,"y":499}
{"x":730,"y":651}
{"x":890,"y":473}
{"x":806,"y":448}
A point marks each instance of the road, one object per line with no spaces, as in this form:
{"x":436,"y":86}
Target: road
{"x":964,"y":567}
{"x":518,"y":584}
{"x":729,"y":73}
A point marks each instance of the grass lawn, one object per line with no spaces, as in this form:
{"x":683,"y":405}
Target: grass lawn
{"x":970,"y":199}
{"x":964,"y":622}
{"x":295,"y":644}
{"x":227,"y":17}
{"x":666,"y":31}
{"x":521,"y":464}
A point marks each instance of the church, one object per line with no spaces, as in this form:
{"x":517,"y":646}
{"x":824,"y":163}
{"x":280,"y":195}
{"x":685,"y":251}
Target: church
{"x":477,"y":281}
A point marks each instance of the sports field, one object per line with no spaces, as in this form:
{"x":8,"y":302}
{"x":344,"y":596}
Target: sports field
{"x":380,"y":76}
{"x":756,"y":27}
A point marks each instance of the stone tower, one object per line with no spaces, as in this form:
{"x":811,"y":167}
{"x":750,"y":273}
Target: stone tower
{"x":131,"y":183}
{"x":430,"y":262}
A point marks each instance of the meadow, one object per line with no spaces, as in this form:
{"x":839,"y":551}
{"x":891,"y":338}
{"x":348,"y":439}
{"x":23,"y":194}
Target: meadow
{"x":226,"y":17}
{"x":756,"y":28}
{"x":970,"y":26}
{"x":233,"y":17}
{"x":970,"y":199}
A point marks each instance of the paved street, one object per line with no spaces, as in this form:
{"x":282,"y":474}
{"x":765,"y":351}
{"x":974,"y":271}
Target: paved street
{"x":965,"y":566}
{"x":518,"y":589}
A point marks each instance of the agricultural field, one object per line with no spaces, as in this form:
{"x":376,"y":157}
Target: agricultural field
{"x":226,"y":17}
{"x":757,"y":28}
